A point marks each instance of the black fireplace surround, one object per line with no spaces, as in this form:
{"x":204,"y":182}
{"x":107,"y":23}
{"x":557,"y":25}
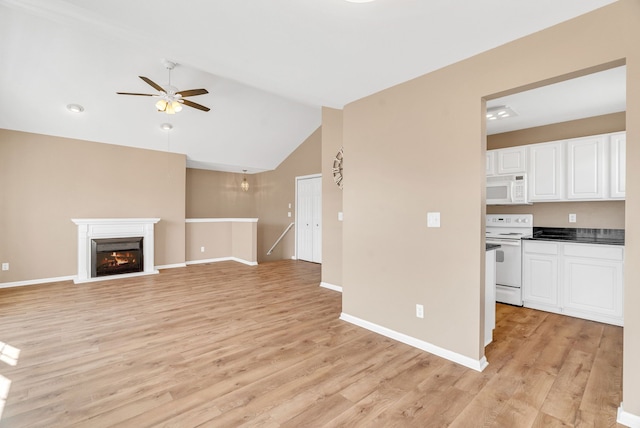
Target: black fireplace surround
{"x":116,"y":256}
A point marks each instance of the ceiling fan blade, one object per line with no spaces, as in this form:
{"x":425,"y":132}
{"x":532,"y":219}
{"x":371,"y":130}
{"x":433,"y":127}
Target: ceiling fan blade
{"x":195,"y":105}
{"x":152,"y":84}
{"x":132,"y":93}
{"x":192,"y":92}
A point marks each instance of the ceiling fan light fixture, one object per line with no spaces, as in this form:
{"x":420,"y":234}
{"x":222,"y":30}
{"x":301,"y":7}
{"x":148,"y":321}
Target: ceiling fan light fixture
{"x":161,"y":105}
{"x":176,"y":106}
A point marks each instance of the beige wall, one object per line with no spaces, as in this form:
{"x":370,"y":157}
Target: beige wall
{"x":597,"y":215}
{"x":221,"y":239}
{"x":275,"y":190}
{"x":212,"y":194}
{"x":244,"y":241}
{"x":614,"y":122}
{"x":216,"y":194}
{"x":605,"y":214}
{"x":46,"y":181}
{"x":214,"y":237}
{"x":331,"y":198}
{"x":420,"y":147}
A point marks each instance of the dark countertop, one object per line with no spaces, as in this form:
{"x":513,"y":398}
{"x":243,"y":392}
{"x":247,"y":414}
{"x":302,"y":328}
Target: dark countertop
{"x":490,"y":247}
{"x":581,"y":236}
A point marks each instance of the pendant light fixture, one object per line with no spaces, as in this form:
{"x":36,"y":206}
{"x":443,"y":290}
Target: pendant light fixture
{"x":245,"y":184}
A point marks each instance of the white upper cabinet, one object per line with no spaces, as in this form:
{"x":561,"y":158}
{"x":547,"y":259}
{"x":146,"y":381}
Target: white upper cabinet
{"x":512,"y":160}
{"x":585,"y":168}
{"x":618,"y":172}
{"x":579,"y":169}
{"x":545,"y":172}
{"x":491,"y":162}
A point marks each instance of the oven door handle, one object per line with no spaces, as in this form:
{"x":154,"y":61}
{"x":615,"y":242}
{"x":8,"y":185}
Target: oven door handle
{"x":509,"y":243}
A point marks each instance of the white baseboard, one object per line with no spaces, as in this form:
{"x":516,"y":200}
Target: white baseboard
{"x":627,"y":419}
{"x":331,"y":286}
{"x":222,"y":259}
{"x":36,"y":281}
{"x":173,"y":266}
{"x":478,"y":365}
{"x":112,"y":277}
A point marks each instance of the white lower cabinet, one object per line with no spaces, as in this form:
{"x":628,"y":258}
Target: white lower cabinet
{"x":540,"y":275}
{"x":580,"y":280}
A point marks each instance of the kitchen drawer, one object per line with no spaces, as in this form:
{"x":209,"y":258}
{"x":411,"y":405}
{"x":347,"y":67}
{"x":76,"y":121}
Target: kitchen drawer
{"x":594,"y":251}
{"x":540,"y":247}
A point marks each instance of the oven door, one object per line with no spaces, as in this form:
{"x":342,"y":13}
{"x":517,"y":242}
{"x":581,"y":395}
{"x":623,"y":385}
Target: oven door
{"x":508,"y":262}
{"x":508,"y":270}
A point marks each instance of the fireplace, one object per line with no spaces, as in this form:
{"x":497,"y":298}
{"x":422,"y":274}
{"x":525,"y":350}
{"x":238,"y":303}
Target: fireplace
{"x":116,"y":256}
{"x":110,"y":248}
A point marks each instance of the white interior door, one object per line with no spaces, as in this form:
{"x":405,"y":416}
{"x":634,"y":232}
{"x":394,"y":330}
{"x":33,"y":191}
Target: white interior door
{"x":309,"y":218}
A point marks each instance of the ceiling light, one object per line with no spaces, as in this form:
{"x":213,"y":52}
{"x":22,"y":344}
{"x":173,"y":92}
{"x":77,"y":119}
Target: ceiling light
{"x":161,"y":105}
{"x":166,"y":127}
{"x":245,"y":184}
{"x":500,"y":112}
{"x":75,"y":108}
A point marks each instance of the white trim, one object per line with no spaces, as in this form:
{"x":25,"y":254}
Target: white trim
{"x":627,"y":419}
{"x":98,"y":228}
{"x":478,"y":365}
{"x":36,"y":281}
{"x":304,"y":177}
{"x":172,"y":266}
{"x":331,"y":286}
{"x":221,"y":220}
{"x":112,"y":277}
{"x":221,"y":259}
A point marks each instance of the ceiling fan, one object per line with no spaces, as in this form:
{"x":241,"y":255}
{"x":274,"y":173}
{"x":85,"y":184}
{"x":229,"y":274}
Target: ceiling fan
{"x":170,"y":98}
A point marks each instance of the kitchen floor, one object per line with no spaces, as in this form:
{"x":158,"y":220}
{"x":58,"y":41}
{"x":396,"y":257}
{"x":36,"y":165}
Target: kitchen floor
{"x":564,"y":370}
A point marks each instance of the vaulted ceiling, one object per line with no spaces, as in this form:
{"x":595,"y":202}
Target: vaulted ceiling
{"x":269,"y":66}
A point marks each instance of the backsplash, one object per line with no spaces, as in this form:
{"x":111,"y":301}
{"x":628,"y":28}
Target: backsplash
{"x":600,"y":215}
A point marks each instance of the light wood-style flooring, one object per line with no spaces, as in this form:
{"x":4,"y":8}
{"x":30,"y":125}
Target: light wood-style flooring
{"x":229,"y":345}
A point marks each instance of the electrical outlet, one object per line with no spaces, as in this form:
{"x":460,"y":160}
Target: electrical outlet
{"x":572,"y":218}
{"x":5,"y":266}
{"x":420,"y":311}
{"x":202,"y":249}
{"x":289,"y":214}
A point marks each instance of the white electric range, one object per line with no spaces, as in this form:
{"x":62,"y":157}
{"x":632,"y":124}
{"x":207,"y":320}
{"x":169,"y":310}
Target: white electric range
{"x":507,"y":230}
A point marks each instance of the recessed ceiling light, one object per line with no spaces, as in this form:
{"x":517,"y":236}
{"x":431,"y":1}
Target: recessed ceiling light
{"x":500,"y":112}
{"x":166,"y":127}
{"x":75,"y":108}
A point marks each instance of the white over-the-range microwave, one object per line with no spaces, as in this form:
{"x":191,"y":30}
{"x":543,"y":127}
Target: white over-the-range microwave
{"x":508,"y":189}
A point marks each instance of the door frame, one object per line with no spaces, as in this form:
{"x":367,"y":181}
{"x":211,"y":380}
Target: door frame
{"x":297,"y":179}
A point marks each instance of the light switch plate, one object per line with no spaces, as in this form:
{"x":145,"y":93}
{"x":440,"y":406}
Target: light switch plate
{"x":340,"y":216}
{"x":433,"y":219}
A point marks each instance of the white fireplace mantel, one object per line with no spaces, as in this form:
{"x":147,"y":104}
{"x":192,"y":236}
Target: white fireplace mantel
{"x":101,"y":228}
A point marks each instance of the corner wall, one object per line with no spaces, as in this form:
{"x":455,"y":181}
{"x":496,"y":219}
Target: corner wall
{"x":275,"y":190}
{"x":420,"y":147}
{"x":46,"y":181}
{"x":331,"y":198}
